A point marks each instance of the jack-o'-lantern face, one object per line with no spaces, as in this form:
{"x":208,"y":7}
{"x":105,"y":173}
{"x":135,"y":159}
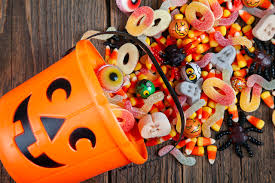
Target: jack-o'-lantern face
{"x":192,"y":128}
{"x":178,"y":28}
{"x":252,"y":3}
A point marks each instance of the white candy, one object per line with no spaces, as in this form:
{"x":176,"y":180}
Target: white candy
{"x":154,"y":125}
{"x":265,"y":28}
{"x":191,"y":90}
{"x":133,"y":54}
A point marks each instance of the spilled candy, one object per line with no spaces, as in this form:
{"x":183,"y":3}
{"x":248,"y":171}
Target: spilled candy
{"x":192,"y":128}
{"x":239,"y":40}
{"x":257,"y":79}
{"x":211,"y":152}
{"x":248,"y":104}
{"x":265,"y":28}
{"x":206,"y":22}
{"x":188,"y":161}
{"x":127,"y":6}
{"x":131,"y":51}
{"x":145,"y":88}
{"x":154,"y":125}
{"x":178,"y":28}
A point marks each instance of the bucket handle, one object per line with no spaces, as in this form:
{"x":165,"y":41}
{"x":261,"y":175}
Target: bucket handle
{"x":158,"y":68}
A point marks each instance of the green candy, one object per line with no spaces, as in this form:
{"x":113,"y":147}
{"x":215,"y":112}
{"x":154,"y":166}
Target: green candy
{"x":145,"y":88}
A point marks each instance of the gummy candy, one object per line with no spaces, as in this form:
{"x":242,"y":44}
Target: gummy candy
{"x":127,"y":50}
{"x":137,"y":113}
{"x":191,"y":90}
{"x":165,"y":19}
{"x":110,"y":78}
{"x":128,"y":6}
{"x":236,"y":6}
{"x":151,"y":100}
{"x":257,"y":79}
{"x":140,"y":20}
{"x":159,"y":140}
{"x":265,"y":28}
{"x":193,"y":108}
{"x":239,"y":40}
{"x":125,"y":118}
{"x":216,"y":8}
{"x":227,"y":21}
{"x":172,"y":3}
{"x":188,"y":161}
{"x":247,"y":104}
{"x":99,"y":37}
{"x":209,"y":86}
{"x":219,"y":113}
{"x":206,"y":22}
{"x":205,"y":60}
{"x":117,"y":99}
{"x":154,"y":125}
{"x":258,"y":12}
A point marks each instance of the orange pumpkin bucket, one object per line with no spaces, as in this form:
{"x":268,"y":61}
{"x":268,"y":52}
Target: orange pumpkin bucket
{"x":59,"y":127}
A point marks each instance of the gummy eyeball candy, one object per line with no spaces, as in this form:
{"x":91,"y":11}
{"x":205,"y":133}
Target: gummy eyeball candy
{"x":178,"y":28}
{"x":191,"y":72}
{"x":145,"y":88}
{"x":110,"y":78}
{"x":252,"y":3}
{"x":238,"y":83}
{"x":127,"y":6}
{"x":192,"y":128}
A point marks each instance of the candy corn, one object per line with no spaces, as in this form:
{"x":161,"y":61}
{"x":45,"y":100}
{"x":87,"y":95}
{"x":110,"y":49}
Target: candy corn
{"x":232,"y":109}
{"x":234,"y":28}
{"x":206,"y":112}
{"x":240,"y":59}
{"x":247,"y":30}
{"x":204,"y":74}
{"x":258,"y":123}
{"x":183,"y":143}
{"x":217,"y":126}
{"x":204,"y":141}
{"x":107,"y":53}
{"x":199,"y":113}
{"x":204,"y":97}
{"x":190,"y":146}
{"x":211,"y":152}
{"x":246,"y":17}
{"x":211,"y":74}
{"x":113,"y":57}
{"x":201,"y":48}
{"x":268,"y":99}
{"x":266,"y":4}
{"x":240,"y":73}
{"x":198,"y":151}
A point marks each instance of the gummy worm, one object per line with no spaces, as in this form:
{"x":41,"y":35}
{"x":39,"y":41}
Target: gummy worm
{"x":227,"y":21}
{"x":205,"y":60}
{"x":240,"y":40}
{"x":100,"y":37}
{"x":219,"y":113}
{"x":258,"y":12}
{"x":255,"y":78}
{"x":151,"y":100}
{"x":172,"y":3}
{"x":247,"y":104}
{"x":188,"y":161}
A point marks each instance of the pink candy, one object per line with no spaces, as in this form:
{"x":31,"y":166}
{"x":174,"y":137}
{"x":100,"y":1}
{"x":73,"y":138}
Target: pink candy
{"x":257,"y":79}
{"x":205,"y":60}
{"x":228,"y":21}
{"x":127,"y":6}
{"x":240,"y":40}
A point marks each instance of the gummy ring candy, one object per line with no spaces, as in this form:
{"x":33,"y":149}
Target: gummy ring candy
{"x":248,"y":104}
{"x":125,"y":118}
{"x":110,"y":78}
{"x":140,"y":20}
{"x":208,"y":18}
{"x":216,"y":8}
{"x":165,"y":19}
{"x":209,"y":86}
{"x":127,"y":6}
{"x":127,"y":50}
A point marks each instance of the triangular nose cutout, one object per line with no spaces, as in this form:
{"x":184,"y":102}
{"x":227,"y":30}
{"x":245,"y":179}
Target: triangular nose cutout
{"x":52,"y":125}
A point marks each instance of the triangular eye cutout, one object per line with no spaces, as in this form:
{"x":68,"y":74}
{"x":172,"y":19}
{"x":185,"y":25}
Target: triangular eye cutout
{"x":52,"y":125}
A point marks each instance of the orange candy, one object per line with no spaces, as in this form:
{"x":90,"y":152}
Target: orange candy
{"x":192,"y":128}
{"x":190,"y":146}
{"x":198,"y":151}
{"x":211,"y":152}
{"x":178,"y":28}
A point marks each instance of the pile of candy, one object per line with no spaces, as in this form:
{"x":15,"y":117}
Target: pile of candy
{"x":213,"y":63}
